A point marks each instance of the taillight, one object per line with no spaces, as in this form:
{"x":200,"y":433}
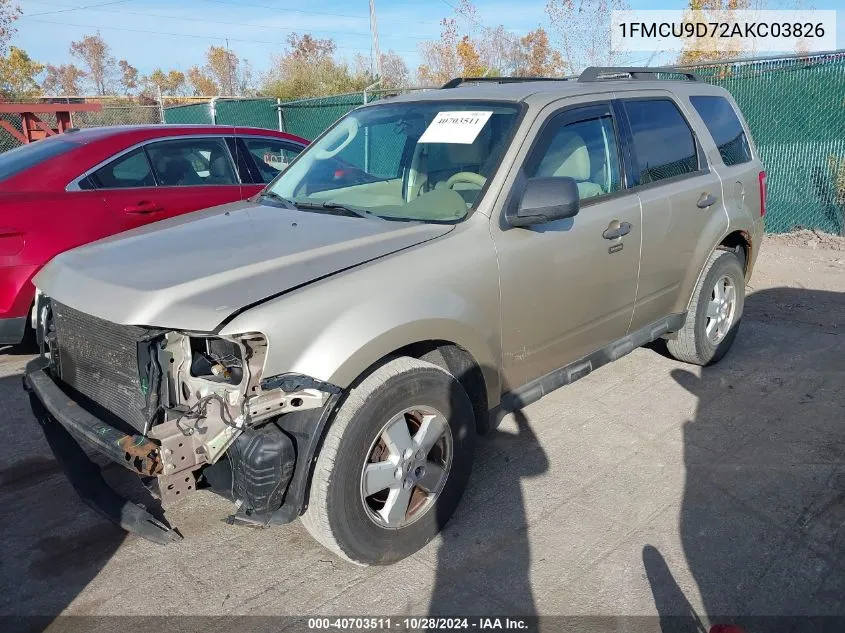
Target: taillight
{"x":761,"y":177}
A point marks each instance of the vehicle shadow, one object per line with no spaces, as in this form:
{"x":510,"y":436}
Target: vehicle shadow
{"x":762,"y":521}
{"x":486,"y":545}
{"x":53,"y":545}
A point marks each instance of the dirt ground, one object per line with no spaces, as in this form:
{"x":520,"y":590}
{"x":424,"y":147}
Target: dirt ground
{"x":809,"y":238}
{"x":649,"y":488}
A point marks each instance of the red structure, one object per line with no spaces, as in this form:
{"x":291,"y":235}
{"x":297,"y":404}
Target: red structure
{"x":33,"y":127}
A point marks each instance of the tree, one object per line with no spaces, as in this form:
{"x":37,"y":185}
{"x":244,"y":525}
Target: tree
{"x":63,"y":80}
{"x":95,"y":55}
{"x":583,"y":28}
{"x":483,"y":51}
{"x":222,"y":66}
{"x":499,"y":50}
{"x":202,"y":84}
{"x":171,"y":83}
{"x":9,"y":12}
{"x":128,"y":76}
{"x":707,"y":49}
{"x":440,"y":57}
{"x":177,"y":83}
{"x":158,"y":78}
{"x":394,"y":71}
{"x":17,"y":75}
{"x":536,"y":57}
{"x":308,"y":69}
{"x":489,"y":54}
{"x":246,"y":81}
{"x":469,"y":58}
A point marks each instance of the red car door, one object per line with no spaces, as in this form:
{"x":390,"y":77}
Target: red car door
{"x":163,"y":179}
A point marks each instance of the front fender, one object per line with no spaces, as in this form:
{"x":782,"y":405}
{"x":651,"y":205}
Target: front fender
{"x":335,"y":329}
{"x":351,"y":359}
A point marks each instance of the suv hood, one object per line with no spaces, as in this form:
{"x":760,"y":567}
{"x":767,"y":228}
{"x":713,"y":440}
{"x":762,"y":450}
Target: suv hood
{"x":194,"y":271}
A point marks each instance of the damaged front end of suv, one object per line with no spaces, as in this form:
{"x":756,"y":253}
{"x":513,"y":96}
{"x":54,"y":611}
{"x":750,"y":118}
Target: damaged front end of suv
{"x":180,"y":409}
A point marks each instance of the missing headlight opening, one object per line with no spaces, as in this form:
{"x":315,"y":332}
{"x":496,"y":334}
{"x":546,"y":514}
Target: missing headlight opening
{"x":216,"y":359}
{"x":210,"y":394}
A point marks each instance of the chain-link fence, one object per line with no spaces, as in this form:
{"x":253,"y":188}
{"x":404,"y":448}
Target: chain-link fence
{"x":116,"y":111}
{"x":310,"y":117}
{"x":794,"y":105}
{"x":307,"y":117}
{"x":795,"y":108}
{"x":227,"y":111}
{"x":199,"y":113}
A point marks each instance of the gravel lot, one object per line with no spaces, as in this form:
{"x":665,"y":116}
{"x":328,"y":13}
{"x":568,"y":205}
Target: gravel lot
{"x":648,"y":488}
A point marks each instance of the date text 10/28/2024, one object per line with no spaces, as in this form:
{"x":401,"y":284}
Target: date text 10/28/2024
{"x":417,"y":624}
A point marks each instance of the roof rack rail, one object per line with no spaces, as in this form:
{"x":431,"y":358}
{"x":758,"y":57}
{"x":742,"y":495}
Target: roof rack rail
{"x":457,"y":81}
{"x":595,"y":73}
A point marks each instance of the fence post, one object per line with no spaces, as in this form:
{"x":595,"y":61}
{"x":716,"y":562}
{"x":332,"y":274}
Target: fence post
{"x":367,"y":129}
{"x":370,"y":87}
{"x":279,"y":112}
{"x":160,"y":106}
{"x":212,"y":110}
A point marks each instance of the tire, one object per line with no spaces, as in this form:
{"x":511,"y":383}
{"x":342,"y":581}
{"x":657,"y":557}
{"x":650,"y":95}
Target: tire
{"x":338,"y":514}
{"x":692,"y":343}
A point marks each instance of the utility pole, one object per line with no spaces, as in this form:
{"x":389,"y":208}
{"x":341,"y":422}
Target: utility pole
{"x":229,"y":66}
{"x":375,"y":54}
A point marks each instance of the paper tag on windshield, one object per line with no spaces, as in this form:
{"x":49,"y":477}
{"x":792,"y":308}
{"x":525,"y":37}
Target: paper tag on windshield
{"x":462,"y":126}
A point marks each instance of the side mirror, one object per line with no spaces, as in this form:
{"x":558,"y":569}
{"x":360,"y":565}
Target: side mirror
{"x":545,"y":200}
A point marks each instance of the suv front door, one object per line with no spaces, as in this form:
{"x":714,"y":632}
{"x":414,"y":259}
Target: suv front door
{"x":566,"y":289}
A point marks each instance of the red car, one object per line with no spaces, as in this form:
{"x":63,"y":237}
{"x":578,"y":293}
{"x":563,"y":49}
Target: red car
{"x":84,"y":185}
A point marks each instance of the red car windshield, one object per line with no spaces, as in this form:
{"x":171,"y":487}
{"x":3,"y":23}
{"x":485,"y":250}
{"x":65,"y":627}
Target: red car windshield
{"x":17,"y":160}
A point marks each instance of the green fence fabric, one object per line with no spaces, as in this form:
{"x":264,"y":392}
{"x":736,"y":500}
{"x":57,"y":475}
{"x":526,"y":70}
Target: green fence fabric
{"x":199,"y":113}
{"x":310,"y":117}
{"x":795,"y":107}
{"x":247,"y":112}
{"x":796,"y":111}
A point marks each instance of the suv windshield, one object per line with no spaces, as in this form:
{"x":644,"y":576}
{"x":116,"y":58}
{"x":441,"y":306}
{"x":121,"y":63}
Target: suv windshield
{"x":16,"y":160}
{"x":425,"y":161}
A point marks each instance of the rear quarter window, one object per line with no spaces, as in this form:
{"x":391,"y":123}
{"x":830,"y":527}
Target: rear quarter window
{"x":724,"y":126}
{"x":21,"y":158}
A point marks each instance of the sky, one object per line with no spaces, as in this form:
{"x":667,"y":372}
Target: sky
{"x":159,"y":34}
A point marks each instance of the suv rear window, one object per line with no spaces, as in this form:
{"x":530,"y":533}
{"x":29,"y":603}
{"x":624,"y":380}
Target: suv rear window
{"x":724,"y":126}
{"x":16,"y":160}
{"x":663,"y":141}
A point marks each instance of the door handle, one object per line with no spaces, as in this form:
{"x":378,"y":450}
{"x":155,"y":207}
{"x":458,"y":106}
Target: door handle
{"x":143,"y":207}
{"x":616,"y":229}
{"x":706,"y":200}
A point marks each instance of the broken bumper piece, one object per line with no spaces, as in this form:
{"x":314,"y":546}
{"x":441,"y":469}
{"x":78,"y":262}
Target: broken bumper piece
{"x":63,"y":423}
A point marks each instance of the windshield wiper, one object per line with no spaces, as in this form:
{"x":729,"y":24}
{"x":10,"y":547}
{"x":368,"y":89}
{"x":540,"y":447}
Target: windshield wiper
{"x":272,"y":195}
{"x":335,"y":206}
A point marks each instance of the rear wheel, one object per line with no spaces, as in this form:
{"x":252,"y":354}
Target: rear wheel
{"x":393,"y":465}
{"x":715,"y":312}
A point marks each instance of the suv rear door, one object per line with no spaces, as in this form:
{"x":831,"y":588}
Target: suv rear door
{"x":731,"y":156}
{"x":567,"y":290}
{"x":681,"y":199}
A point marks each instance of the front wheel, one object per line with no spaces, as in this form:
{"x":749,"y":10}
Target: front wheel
{"x":715,"y":312}
{"x":394,"y":463}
